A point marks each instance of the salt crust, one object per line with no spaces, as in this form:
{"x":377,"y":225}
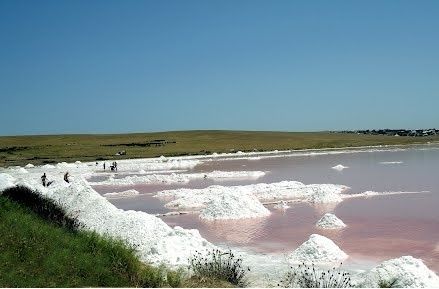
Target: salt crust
{"x":391,"y":163}
{"x":330,"y":221}
{"x":116,"y":195}
{"x":406,"y":272}
{"x":318,"y":250}
{"x":179,"y":178}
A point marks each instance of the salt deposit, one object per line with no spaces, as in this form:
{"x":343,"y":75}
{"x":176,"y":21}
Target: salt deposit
{"x":154,"y":240}
{"x":375,"y":194}
{"x":287,"y":190}
{"x":179,"y":178}
{"x":339,"y":167}
{"x":28,"y":166}
{"x":6,"y":181}
{"x":403,"y":272}
{"x":47,"y":166}
{"x":232,"y":205}
{"x":157,"y":164}
{"x":330,"y":221}
{"x":391,"y":163}
{"x":322,"y":196}
{"x":318,"y":250}
{"x":124,"y":194}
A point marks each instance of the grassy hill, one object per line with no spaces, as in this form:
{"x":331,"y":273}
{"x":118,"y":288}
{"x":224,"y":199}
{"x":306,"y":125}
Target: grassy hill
{"x":38,"y":253}
{"x":40,"y":246}
{"x":20,"y":150}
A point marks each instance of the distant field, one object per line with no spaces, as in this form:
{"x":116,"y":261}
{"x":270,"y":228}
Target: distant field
{"x":20,"y":150}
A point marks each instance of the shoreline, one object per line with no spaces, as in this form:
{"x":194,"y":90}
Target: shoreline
{"x":92,"y":148}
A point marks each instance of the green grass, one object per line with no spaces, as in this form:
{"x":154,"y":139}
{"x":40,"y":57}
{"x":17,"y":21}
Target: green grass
{"x":36,"y":253}
{"x":20,"y":150}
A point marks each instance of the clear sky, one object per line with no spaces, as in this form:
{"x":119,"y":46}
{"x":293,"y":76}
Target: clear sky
{"x":139,"y":66}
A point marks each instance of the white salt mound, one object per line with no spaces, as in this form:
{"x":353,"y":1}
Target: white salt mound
{"x":231,"y":205}
{"x":330,"y":221}
{"x":47,"y":166}
{"x":22,"y":171}
{"x":318,"y":250}
{"x":116,"y":195}
{"x":28,"y":166}
{"x":406,"y":272}
{"x":321,"y":195}
{"x":285,"y":190}
{"x":339,"y":167}
{"x":154,"y":240}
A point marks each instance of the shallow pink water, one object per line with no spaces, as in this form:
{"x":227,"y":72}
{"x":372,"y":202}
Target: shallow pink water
{"x":379,"y":228}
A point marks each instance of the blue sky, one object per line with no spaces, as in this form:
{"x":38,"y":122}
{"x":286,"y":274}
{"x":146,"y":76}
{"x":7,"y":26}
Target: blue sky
{"x":139,"y":66}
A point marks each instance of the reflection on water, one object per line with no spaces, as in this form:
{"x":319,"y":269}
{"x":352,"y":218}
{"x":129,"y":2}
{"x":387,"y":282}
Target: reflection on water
{"x":379,"y":228}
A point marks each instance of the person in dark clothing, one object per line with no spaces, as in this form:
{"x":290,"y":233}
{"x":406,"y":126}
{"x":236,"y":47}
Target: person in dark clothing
{"x":43,"y":179}
{"x":104,"y":166}
{"x":66,"y":177}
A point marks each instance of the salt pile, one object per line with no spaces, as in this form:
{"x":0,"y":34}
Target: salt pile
{"x":47,"y":166}
{"x":406,"y":272}
{"x":339,"y":167}
{"x":154,"y":240}
{"x":318,"y":250}
{"x":330,"y":221}
{"x":28,"y":166}
{"x":231,"y":205}
{"x":117,"y":195}
{"x":197,"y":199}
{"x":321,"y":195}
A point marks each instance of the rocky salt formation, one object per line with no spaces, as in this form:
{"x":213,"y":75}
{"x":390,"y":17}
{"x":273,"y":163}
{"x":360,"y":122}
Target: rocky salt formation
{"x":330,"y":221}
{"x":403,"y":272}
{"x":318,"y":250}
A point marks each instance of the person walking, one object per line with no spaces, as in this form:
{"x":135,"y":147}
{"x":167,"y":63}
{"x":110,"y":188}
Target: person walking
{"x":66,"y":177}
{"x":43,"y":179}
{"x":104,"y":166}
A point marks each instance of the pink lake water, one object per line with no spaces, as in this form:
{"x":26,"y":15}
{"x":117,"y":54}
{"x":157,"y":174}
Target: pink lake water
{"x":379,"y":228}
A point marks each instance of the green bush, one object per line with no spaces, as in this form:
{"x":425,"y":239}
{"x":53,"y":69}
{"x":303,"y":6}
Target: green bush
{"x":220,"y":266}
{"x":305,"y":276}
